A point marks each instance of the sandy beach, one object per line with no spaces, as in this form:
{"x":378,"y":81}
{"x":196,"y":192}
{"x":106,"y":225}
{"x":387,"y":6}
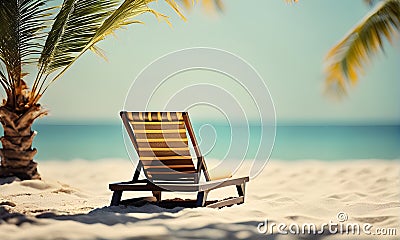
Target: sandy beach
{"x":72,"y":203}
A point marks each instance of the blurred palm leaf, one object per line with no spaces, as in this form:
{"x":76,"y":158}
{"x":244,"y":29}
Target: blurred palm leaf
{"x":209,"y":5}
{"x":347,"y":59}
{"x":188,"y":3}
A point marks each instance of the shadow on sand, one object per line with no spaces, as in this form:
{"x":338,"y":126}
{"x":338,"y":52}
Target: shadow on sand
{"x":111,"y":216}
{"x":120,"y":215}
{"x":8,"y":180}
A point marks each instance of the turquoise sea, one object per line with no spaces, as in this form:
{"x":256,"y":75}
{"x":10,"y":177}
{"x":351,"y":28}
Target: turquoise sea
{"x":67,"y":142}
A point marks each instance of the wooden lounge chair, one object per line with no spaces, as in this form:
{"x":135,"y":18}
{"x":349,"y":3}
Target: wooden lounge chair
{"x":162,"y":145}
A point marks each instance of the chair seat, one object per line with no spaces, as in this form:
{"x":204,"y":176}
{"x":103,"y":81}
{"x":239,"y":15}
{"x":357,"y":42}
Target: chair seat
{"x":176,"y":186}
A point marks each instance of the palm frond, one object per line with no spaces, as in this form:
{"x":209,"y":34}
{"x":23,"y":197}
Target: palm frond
{"x":21,"y":33}
{"x":21,"y":25}
{"x":73,"y":28}
{"x":121,"y":17}
{"x":347,"y":59}
{"x":5,"y":84}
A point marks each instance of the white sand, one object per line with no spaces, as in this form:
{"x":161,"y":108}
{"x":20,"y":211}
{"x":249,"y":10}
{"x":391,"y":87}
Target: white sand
{"x":73,"y":198}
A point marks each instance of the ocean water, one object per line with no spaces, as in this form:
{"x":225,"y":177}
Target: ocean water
{"x":67,"y":142}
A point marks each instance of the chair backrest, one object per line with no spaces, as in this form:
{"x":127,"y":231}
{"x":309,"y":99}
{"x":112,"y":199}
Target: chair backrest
{"x":162,"y":145}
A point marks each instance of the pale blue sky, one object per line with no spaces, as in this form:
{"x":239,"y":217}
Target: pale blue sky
{"x":286,"y":44}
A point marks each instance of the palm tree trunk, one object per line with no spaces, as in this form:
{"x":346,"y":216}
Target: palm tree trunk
{"x":17,"y":153}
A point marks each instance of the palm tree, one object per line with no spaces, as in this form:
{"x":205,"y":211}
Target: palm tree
{"x":51,"y":38}
{"x":348,"y":58}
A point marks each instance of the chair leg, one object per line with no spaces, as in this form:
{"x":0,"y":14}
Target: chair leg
{"x":116,"y":198}
{"x":241,"y":189}
{"x":201,"y":199}
{"x":157,"y":195}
